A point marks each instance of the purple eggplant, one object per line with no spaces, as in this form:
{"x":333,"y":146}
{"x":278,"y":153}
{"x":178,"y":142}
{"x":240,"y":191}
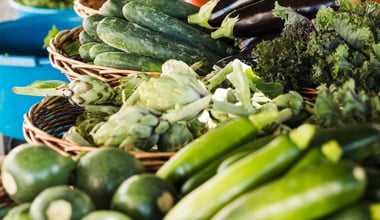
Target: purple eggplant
{"x":257,"y":18}
{"x":223,"y":8}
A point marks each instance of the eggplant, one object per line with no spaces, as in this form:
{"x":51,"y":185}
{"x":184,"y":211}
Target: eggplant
{"x":224,"y":7}
{"x":257,"y":18}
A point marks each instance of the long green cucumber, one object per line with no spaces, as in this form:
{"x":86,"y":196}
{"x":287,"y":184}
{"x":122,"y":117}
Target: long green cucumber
{"x":101,"y":48}
{"x":253,"y":170}
{"x":212,"y":144}
{"x":175,"y":8}
{"x":90,"y":23}
{"x":129,"y":37}
{"x":222,"y":163}
{"x":127,"y":61}
{"x":314,"y":193}
{"x":148,"y":17}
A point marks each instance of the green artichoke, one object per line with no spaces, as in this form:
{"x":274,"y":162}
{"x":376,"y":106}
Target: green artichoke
{"x":132,"y":127}
{"x":83,"y":91}
{"x":177,"y":136}
{"x":88,"y":90}
{"x":177,"y":86}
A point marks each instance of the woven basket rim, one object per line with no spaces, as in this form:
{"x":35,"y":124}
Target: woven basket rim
{"x":34,"y":134}
{"x":83,"y":10}
{"x":73,"y":67}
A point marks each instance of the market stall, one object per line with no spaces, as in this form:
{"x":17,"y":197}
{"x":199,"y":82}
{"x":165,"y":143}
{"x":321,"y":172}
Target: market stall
{"x":204,"y":110}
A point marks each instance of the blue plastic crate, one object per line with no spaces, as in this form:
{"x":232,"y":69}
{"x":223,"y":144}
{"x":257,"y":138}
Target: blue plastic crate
{"x":23,"y":60}
{"x":24,"y":10}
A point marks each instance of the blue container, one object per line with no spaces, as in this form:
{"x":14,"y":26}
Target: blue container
{"x":24,"y":10}
{"x":23,"y":60}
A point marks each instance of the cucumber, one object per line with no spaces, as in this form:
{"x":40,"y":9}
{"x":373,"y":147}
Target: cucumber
{"x":100,"y":48}
{"x":145,"y":197}
{"x":127,"y":61}
{"x":106,"y":215}
{"x":99,"y":178}
{"x":113,"y":8}
{"x":61,"y":202}
{"x":129,"y":37}
{"x":90,"y":23}
{"x":30,"y":168}
{"x":150,"y":18}
{"x":175,"y":8}
{"x":253,"y":170}
{"x":318,"y":191}
{"x":84,"y":51}
{"x":85,"y":38}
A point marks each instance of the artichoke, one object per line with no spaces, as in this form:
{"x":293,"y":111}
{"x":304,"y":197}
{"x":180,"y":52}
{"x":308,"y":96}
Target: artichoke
{"x":178,"y":135}
{"x":132,"y":127}
{"x":85,"y":90}
{"x":88,"y":90}
{"x":178,"y":85}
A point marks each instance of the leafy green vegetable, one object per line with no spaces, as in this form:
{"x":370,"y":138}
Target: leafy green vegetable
{"x":343,"y":105}
{"x":336,"y":46}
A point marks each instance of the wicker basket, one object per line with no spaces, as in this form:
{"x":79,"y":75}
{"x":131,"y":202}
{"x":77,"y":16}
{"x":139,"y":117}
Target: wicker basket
{"x":73,"y":67}
{"x":85,"y":8}
{"x":47,"y":120}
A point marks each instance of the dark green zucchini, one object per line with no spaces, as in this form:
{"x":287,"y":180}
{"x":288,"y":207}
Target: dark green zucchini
{"x":129,"y":37}
{"x":148,"y":17}
{"x":101,"y":48}
{"x":127,"y":61}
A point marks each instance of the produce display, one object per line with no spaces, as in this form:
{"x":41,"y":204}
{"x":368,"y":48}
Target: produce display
{"x":270,"y":108}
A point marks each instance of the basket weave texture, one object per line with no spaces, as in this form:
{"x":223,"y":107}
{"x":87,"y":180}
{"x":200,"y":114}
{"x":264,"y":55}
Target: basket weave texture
{"x":85,"y":8}
{"x":47,"y":120}
{"x":73,"y":66}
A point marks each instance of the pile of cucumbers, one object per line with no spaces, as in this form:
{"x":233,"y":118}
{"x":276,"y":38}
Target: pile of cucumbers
{"x":141,"y":35}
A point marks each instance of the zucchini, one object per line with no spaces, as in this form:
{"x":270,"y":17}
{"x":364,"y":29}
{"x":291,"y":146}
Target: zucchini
{"x":61,"y":202}
{"x":253,"y":170}
{"x":318,"y":191}
{"x":145,"y":196}
{"x":198,"y":153}
{"x":357,"y":211}
{"x":130,"y":37}
{"x":99,"y":178}
{"x":101,"y":48}
{"x":30,"y":168}
{"x":220,"y":163}
{"x":90,"y":23}
{"x":19,"y":212}
{"x":176,"y":8}
{"x":150,"y":18}
{"x":127,"y":61}
{"x":106,"y":215}
{"x":84,"y":51}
